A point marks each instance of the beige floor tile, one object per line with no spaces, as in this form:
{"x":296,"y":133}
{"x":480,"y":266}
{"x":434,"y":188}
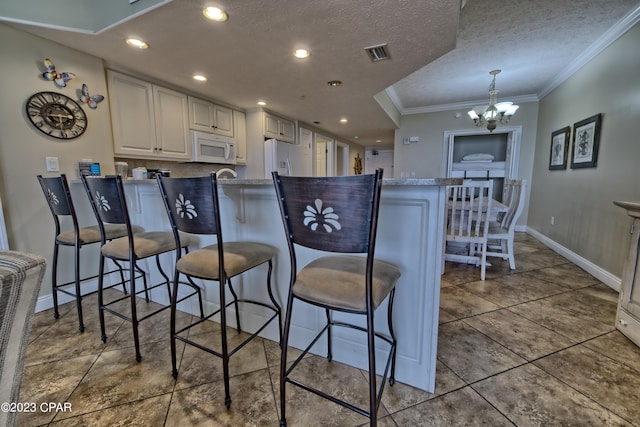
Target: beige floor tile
{"x":460,"y":303}
{"x":529,"y":396}
{"x":618,"y":347}
{"x":401,"y":396}
{"x":51,"y":382}
{"x":463,"y":407}
{"x":253,"y":404}
{"x":199,"y":367}
{"x":149,"y":412}
{"x":613,"y":385}
{"x":513,"y":289}
{"x":472,"y":355}
{"x":524,"y":337}
{"x":347,"y":383}
{"x":116,"y":378}
{"x":578,"y":315}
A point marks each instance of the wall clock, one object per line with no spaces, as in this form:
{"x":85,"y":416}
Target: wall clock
{"x":56,"y":115}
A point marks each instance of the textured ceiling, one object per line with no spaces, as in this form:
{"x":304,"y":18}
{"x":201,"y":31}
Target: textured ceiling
{"x":441,"y":55}
{"x":530,"y":41}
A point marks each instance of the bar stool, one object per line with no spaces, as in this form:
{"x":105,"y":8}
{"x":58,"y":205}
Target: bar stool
{"x":337,"y":215}
{"x":193,"y":207}
{"x":108,"y":202}
{"x":58,"y":196}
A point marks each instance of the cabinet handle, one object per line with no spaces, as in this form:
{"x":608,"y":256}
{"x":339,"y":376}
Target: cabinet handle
{"x":159,"y":149}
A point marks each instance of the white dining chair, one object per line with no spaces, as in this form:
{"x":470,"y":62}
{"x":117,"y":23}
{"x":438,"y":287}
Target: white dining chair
{"x":467,"y":222}
{"x":501,"y":234}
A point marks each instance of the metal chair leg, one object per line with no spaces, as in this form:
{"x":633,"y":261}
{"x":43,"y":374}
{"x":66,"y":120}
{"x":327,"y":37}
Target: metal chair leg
{"x":77,"y":286}
{"x":54,"y":281}
{"x":225,"y":349}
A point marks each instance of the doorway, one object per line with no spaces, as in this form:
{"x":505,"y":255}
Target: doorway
{"x":324,"y":154}
{"x":342,"y":158}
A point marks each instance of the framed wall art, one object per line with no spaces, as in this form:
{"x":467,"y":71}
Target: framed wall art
{"x":559,"y":149}
{"x":586,"y":140}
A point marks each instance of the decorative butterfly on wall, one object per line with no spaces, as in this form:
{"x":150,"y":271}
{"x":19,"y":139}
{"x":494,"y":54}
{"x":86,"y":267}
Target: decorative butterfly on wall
{"x":90,"y":100}
{"x":60,"y":79}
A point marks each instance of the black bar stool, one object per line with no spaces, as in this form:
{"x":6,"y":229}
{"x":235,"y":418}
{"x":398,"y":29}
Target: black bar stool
{"x":58,"y":196}
{"x":109,"y":205}
{"x":337,"y":217}
{"x":193,"y":207}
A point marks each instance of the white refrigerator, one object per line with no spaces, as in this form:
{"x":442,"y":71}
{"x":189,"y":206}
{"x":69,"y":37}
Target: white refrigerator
{"x":286,"y":158}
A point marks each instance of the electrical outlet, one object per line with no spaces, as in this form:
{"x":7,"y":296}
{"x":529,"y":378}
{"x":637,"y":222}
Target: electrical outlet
{"x":553,"y":220}
{"x":53,"y":165}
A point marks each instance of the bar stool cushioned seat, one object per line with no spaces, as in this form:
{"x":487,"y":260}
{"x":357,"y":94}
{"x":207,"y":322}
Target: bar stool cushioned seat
{"x":238,"y":257}
{"x":337,"y":281}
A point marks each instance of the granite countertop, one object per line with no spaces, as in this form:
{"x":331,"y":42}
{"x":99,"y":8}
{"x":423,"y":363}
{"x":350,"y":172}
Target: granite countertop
{"x":385,"y":181}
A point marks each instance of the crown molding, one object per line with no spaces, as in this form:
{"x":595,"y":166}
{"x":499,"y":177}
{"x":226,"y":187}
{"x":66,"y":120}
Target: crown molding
{"x":610,"y":36}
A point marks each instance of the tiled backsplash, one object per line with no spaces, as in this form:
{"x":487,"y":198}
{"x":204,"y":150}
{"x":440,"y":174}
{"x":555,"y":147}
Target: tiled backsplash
{"x":178,"y":169}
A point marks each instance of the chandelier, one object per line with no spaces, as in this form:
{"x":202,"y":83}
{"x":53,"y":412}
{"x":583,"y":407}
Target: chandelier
{"x":494,"y":113}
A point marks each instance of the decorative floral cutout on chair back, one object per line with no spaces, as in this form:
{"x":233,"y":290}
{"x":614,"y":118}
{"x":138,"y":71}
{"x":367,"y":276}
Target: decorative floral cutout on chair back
{"x":102,"y":202}
{"x":315,"y":216}
{"x":52,"y":197}
{"x":185,"y":207}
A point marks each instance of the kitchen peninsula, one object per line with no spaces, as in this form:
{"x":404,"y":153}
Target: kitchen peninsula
{"x":410,"y":234}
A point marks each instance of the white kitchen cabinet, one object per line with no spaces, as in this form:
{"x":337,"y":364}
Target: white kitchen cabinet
{"x":279,"y":128}
{"x":628,"y":315}
{"x":206,"y":116}
{"x":240,"y":133}
{"x":148,"y":121}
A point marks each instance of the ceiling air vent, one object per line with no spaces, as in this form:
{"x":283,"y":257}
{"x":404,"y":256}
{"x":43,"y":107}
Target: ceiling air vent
{"x":378,"y":53}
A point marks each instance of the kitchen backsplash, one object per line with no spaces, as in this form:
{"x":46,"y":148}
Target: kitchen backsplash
{"x":178,"y":169}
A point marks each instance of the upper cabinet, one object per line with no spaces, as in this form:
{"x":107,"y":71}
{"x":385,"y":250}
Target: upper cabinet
{"x":206,"y":116}
{"x":149,"y":121}
{"x":279,"y":128}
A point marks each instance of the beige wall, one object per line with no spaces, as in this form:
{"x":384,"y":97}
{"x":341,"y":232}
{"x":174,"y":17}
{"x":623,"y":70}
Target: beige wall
{"x":586,"y":221}
{"x":23,"y":148}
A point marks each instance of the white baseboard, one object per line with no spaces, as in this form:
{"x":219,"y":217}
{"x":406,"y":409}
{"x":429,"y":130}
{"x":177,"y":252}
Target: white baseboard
{"x":46,"y":302}
{"x":599,"y":273}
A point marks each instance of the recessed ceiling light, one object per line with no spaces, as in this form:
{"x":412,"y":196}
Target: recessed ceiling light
{"x":262,"y":103}
{"x":200,"y":78}
{"x":343,"y":120}
{"x":334,"y":83}
{"x":137,"y":43}
{"x":215,"y":14}
{"x":301,"y":53}
{"x":378,"y":141}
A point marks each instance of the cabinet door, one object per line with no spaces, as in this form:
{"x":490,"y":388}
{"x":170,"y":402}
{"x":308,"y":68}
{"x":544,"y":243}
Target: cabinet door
{"x":628,"y":315}
{"x":132,"y":115}
{"x":200,"y":115}
{"x":172,"y":124}
{"x":271,"y":126}
{"x":222,"y":120}
{"x":287,"y":130}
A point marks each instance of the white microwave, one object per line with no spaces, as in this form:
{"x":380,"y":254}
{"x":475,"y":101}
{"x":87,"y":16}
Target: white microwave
{"x":210,"y":148}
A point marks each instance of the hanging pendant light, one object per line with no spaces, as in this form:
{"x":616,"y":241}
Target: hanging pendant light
{"x":494,"y":113}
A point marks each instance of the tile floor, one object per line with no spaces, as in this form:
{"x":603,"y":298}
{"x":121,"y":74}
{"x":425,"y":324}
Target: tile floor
{"x":533,"y":347}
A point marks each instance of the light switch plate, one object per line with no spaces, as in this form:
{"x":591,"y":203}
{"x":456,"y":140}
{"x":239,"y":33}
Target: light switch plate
{"x":53,"y":165}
